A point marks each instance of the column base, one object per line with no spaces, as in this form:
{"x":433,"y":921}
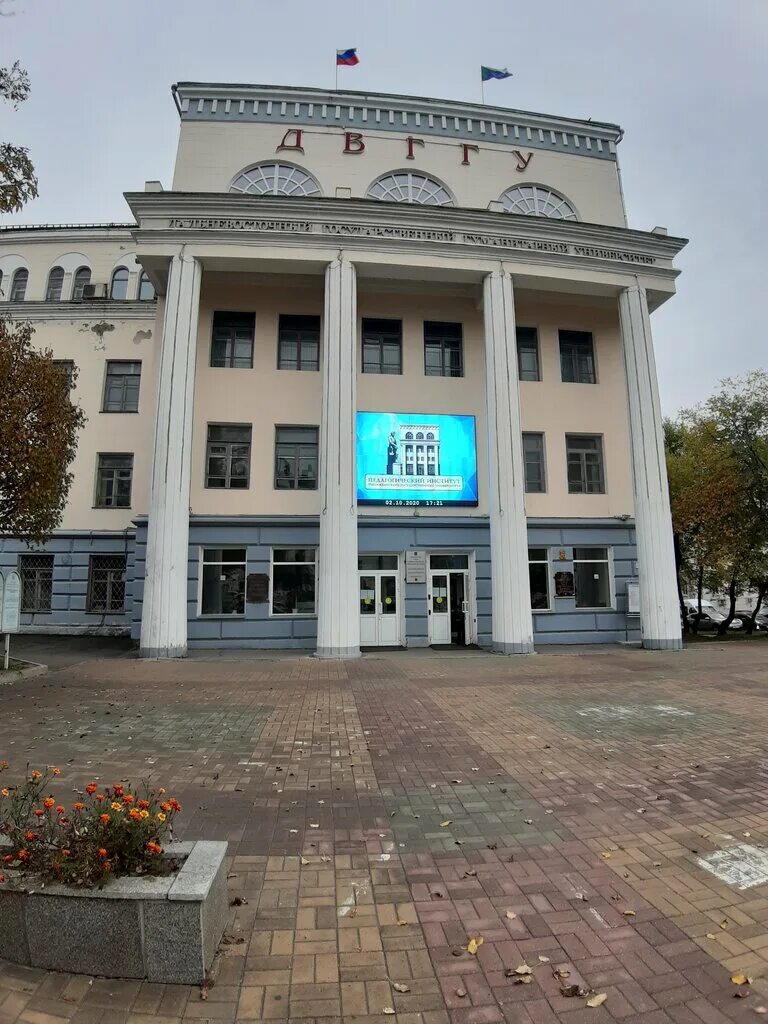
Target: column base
{"x":675,"y":644}
{"x":337,"y":652}
{"x":500,"y":647}
{"x":162,"y":653}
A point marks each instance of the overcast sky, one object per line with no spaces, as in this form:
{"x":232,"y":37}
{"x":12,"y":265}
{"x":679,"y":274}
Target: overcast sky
{"x":685,"y":78}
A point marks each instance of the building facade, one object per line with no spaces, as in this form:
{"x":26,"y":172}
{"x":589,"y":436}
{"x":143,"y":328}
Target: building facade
{"x":376,"y":370}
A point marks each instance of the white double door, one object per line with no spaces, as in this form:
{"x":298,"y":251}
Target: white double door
{"x":449,"y":607}
{"x":379,"y":609}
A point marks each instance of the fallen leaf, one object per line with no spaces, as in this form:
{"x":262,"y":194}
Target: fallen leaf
{"x":474,"y":945}
{"x":597,"y":1000}
{"x":238,"y":901}
{"x":761,"y":1009}
{"x":445,"y":824}
{"x":461,"y":992}
{"x":543,"y":959}
{"x":203,"y":993}
{"x":511,"y":915}
{"x":388,"y":1009}
{"x":740,"y":978}
{"x":560,"y":972}
{"x":456,"y":782}
{"x":629,"y":913}
{"x":528,"y":821}
{"x":402,"y":923}
{"x":524,"y":979}
{"x":325,"y":859}
{"x":313,"y":826}
{"x":304,"y":861}
{"x":399,"y":987}
{"x":470,"y":873}
{"x":711,"y":935}
{"x":606,"y":856}
{"x":724,"y":924}
{"x":523,"y":969}
{"x":569,"y":991}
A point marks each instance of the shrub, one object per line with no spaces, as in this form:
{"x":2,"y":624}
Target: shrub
{"x":110,"y":831}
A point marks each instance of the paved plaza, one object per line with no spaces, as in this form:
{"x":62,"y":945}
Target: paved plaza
{"x":599,"y":818}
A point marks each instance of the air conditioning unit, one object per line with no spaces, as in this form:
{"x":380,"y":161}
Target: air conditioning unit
{"x":94,"y":291}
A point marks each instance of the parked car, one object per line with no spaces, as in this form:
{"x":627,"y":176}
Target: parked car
{"x":761,"y":619}
{"x":710,"y":617}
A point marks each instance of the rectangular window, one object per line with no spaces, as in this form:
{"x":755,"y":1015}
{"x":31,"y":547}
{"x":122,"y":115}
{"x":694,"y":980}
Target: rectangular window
{"x":113,"y":481}
{"x":293,"y":581}
{"x":36,"y":573}
{"x":232,"y":340}
{"x":121,"y":387}
{"x":443,"y":349}
{"x":66,"y":368}
{"x":228,"y":455}
{"x":585,"y":464}
{"x":528,"y":353}
{"x":591,"y":576}
{"x":533,"y":460}
{"x":296,"y":458}
{"x":538,"y":574}
{"x":382,"y":346}
{"x":223,"y":581}
{"x":106,"y":584}
{"x":298,"y":343}
{"x":577,"y":357}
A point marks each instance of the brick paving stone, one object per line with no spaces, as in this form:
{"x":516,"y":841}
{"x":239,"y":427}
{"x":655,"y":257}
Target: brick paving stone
{"x":446,"y":791}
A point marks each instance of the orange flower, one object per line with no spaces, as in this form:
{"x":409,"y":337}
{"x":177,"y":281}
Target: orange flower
{"x":57,"y":771}
{"x":143,"y":803}
{"x":35,"y":774}
{"x":128,"y":798}
{"x":106,"y":866}
{"x":134,"y":814}
{"x":65,"y":853}
{"x":104,"y":819}
{"x":78,"y":806}
{"x":39,"y":812}
{"x":160,"y":791}
{"x":154,"y":847}
{"x":175,"y":805}
{"x":118,"y":790}
{"x":59,"y":809}
{"x":91,"y":788}
{"x":48,"y":803}
{"x":100,"y":798}
{"x":22,"y":855}
{"x":30,"y":836}
{"x":165,"y":806}
{"x":160,"y":816}
{"x":102,"y":853}
{"x":5,"y":792}
{"x":7,"y":859}
{"x":143,"y":814}
{"x":116,"y":806}
{"x":2,"y":878}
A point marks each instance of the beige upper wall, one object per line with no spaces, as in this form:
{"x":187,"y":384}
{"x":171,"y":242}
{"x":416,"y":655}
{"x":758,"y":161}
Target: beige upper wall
{"x":211,"y":154}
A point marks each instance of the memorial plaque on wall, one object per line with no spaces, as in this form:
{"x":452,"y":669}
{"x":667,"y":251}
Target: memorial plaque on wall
{"x":564,"y":584}
{"x":256,"y":587}
{"x":415,"y":566}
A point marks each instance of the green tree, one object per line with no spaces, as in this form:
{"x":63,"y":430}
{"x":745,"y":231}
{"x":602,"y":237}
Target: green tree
{"x":18,"y":182}
{"x":39,"y":425}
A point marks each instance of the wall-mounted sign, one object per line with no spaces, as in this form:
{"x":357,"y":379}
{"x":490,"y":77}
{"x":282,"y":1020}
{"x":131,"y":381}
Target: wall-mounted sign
{"x":10,"y":599}
{"x":415,"y":566}
{"x":564,"y":584}
{"x":257,"y":587}
{"x":416,"y":459}
{"x":633,"y":597}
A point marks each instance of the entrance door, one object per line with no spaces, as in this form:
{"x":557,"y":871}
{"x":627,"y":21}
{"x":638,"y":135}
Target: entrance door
{"x":449,"y":606}
{"x":379,"y":601}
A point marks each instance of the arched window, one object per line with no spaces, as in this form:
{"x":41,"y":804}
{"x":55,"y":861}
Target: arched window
{"x":409,"y":435}
{"x":408,"y":187}
{"x":430,"y":436}
{"x":119,"y":287}
{"x":419,"y":435}
{"x":537,"y":201}
{"x":275,"y":180}
{"x":146,"y":288}
{"x":79,"y":281}
{"x":55,"y":284}
{"x":19,"y":285}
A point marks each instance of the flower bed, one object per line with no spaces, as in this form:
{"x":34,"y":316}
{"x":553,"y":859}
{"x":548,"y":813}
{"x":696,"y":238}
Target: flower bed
{"x":92,"y":888}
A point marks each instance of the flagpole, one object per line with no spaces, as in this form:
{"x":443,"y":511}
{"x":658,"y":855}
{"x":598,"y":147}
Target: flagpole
{"x":482,"y":88}
{"x":336,"y":62}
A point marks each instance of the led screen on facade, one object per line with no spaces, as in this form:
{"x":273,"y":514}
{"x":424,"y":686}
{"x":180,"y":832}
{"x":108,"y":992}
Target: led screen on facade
{"x":406,"y":458}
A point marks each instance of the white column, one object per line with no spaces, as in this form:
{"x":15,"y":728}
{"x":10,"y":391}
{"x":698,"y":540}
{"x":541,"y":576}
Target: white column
{"x":164,"y":610}
{"x":338,"y":612}
{"x":659,"y":606}
{"x":512,"y":630}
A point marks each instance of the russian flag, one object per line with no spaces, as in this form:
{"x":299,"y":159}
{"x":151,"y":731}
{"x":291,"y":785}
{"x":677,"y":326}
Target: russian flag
{"x":347,"y":58}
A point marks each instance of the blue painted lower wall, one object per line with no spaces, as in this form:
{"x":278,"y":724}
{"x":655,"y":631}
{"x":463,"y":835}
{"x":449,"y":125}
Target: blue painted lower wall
{"x":258,"y":535}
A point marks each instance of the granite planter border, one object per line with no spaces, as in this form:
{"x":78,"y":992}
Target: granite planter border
{"x":164,"y":929}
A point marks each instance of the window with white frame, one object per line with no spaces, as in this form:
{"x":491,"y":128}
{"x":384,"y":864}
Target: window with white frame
{"x":55,"y":284}
{"x":121,"y":386}
{"x":586,"y":472}
{"x":538,"y":574}
{"x":228,"y":455}
{"x":409,"y":187}
{"x":118,"y":288}
{"x":533,"y":463}
{"x":146,"y":288}
{"x":294,"y":572}
{"x":275,"y":179}
{"x":19,"y":285}
{"x":537,"y":201}
{"x":79,"y":281}
{"x":222,"y":586}
{"x":592,"y":577}
{"x":114,"y":477}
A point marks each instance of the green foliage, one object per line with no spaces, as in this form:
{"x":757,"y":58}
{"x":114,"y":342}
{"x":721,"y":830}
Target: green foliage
{"x":106,"y":833}
{"x":38,"y":435}
{"x":18,"y":182}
